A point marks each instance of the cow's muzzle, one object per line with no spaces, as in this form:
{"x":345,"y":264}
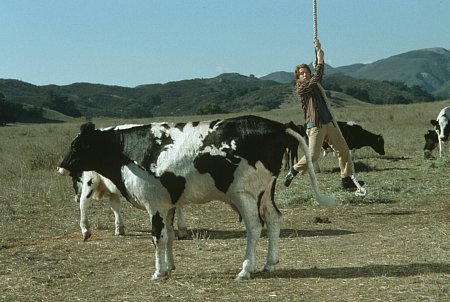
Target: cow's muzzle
{"x":427,"y":154}
{"x":62,"y":171}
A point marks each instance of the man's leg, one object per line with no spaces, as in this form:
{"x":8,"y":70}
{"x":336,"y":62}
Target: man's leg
{"x":316,"y":137}
{"x":338,"y":143}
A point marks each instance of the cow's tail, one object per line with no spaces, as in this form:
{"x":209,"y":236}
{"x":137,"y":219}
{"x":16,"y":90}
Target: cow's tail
{"x":322,"y":199}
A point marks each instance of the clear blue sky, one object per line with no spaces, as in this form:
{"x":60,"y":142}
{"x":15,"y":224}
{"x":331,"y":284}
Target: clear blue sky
{"x":134,"y":42}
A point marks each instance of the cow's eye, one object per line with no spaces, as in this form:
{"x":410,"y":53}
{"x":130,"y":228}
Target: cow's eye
{"x":73,"y":147}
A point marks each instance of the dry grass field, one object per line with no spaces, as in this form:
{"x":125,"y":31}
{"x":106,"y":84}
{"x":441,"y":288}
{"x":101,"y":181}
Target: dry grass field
{"x":392,"y":245}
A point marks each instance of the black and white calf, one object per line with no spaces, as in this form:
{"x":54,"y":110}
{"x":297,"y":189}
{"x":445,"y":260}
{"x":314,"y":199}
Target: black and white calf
{"x":442,"y":127}
{"x":358,"y":137}
{"x":431,"y":142}
{"x":91,"y":185}
{"x":162,"y":166}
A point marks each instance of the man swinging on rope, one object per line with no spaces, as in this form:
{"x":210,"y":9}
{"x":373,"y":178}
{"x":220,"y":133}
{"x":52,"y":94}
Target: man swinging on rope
{"x":319,"y":121}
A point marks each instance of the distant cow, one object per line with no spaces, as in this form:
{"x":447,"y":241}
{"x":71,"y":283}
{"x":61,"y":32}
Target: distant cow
{"x":89,"y":185}
{"x":431,"y":142}
{"x":357,"y":137}
{"x":442,"y":127}
{"x":161,"y":166}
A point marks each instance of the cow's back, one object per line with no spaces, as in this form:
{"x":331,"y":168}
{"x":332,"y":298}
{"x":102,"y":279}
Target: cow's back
{"x":253,"y":138}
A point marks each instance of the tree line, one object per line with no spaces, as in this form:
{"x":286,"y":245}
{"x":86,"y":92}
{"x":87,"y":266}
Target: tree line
{"x":12,"y":112}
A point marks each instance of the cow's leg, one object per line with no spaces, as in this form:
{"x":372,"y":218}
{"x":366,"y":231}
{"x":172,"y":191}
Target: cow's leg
{"x":182,"y":228}
{"x":316,"y":167}
{"x":444,"y":148}
{"x":170,"y":237}
{"x":84,"y":223}
{"x":272,"y":217}
{"x":441,"y":148}
{"x":248,"y":209}
{"x":160,"y":238}
{"x":114,"y":200}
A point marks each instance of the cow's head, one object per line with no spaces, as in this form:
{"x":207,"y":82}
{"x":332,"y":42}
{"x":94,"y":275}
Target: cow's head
{"x":442,"y":127}
{"x":431,"y":142}
{"x":379,"y":146}
{"x":89,"y":151}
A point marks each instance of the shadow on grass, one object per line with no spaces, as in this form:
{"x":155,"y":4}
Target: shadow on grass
{"x":231,"y":234}
{"x":371,"y":200}
{"x":368,"y":271}
{"x":395,"y":213}
{"x":362,"y":167}
{"x":284,"y":233}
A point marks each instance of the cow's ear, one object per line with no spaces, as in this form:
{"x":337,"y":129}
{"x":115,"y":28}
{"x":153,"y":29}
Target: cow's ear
{"x":87,"y":127}
{"x":433,"y":122}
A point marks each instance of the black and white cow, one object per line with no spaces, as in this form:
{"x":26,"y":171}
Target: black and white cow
{"x":91,"y":185}
{"x":431,"y":142}
{"x":358,"y":137}
{"x":161,"y":166}
{"x":442,"y":127}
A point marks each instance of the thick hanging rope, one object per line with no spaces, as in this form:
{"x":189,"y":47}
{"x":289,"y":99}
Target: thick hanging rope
{"x":316,"y":35}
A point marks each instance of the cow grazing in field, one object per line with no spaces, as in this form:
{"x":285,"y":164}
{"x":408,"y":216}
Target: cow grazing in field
{"x":357,"y":137}
{"x":161,"y":166}
{"x":442,"y":127}
{"x":91,"y":185}
{"x":431,"y":142}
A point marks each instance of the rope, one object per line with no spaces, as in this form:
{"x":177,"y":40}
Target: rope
{"x":316,"y":35}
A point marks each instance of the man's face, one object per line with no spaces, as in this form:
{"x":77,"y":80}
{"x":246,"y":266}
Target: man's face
{"x":304,"y":74}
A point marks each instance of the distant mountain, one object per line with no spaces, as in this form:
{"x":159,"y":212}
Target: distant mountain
{"x":427,"y":68}
{"x":230,"y":92}
{"x":405,"y":78}
{"x":286,"y":77}
{"x":283,"y":77}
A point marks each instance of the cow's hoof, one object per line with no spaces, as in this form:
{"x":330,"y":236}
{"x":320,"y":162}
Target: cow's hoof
{"x":268,"y":268}
{"x":182,"y":234}
{"x":160,"y":276}
{"x":242,"y":277}
{"x":87,"y":235}
{"x":120,"y":231}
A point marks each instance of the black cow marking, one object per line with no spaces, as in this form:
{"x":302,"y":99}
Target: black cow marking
{"x":76,"y":179}
{"x":213,"y":123}
{"x":272,"y":196}
{"x":260,"y":196}
{"x":175,"y":185}
{"x":157,"y":226}
{"x":89,"y":194}
{"x":180,"y":126}
{"x":249,"y":136}
{"x":220,"y":168}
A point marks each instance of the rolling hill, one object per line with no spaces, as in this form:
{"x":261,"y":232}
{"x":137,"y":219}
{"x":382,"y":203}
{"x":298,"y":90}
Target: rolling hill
{"x":405,"y":78}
